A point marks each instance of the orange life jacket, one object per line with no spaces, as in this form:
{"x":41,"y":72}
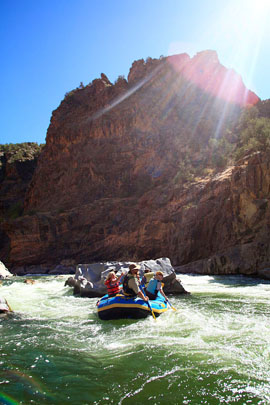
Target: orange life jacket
{"x":113,"y":288}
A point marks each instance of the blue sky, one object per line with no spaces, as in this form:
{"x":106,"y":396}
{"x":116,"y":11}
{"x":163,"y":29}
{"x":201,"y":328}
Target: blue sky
{"x":49,"y":47}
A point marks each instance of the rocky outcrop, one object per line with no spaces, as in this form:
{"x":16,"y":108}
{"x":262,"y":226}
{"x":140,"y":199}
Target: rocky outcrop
{"x":4,"y":273}
{"x":205,"y":71}
{"x":89,"y":278}
{"x":216,"y":226}
{"x":53,"y":269}
{"x":232,"y":222}
{"x":17,"y":165}
{"x":107,"y":185}
{"x":115,"y":141}
{"x":4,"y":307}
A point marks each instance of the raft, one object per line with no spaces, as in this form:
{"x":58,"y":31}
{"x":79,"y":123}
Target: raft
{"x":122,"y":307}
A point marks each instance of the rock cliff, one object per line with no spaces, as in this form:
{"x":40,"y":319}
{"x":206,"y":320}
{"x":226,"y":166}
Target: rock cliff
{"x":17,"y":165}
{"x":109,"y":184}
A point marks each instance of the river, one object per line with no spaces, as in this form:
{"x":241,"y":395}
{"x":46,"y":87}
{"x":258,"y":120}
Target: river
{"x":215,"y":349}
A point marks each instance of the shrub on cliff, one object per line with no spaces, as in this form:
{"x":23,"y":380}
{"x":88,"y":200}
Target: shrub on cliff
{"x":20,"y":151}
{"x":264,"y":108}
{"x":221,"y":150}
{"x":254,"y":133}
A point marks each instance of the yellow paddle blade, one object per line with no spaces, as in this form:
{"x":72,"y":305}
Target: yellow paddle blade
{"x":172,"y":307}
{"x":151,"y":309}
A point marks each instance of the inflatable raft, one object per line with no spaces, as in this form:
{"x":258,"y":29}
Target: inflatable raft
{"x":121,"y":307}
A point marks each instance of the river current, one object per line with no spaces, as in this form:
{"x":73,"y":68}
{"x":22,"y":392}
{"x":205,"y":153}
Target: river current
{"x":215,"y":349}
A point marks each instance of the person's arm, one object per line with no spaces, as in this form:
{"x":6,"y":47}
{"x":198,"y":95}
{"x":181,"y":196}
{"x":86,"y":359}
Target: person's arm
{"x":142,"y":296}
{"x":162,"y":293}
{"x":119,"y":277}
{"x":134,"y":284}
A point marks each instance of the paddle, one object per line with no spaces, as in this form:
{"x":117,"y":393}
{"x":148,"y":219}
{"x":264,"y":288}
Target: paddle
{"x":162,"y":284}
{"x":9,"y":307}
{"x":171,"y":305}
{"x":148,"y":303}
{"x":151,"y":309}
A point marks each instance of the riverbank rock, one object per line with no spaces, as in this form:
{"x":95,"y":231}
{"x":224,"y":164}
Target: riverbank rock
{"x":89,"y":278}
{"x":4,"y":273}
{"x":51,"y":270}
{"x":4,"y":308}
{"x":265,"y":273}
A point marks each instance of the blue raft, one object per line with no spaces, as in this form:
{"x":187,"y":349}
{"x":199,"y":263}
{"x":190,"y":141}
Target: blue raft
{"x":122,"y":307}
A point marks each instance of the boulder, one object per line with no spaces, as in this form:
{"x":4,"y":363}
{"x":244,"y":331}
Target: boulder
{"x":89,"y":278}
{"x":4,"y":273}
{"x":4,"y":307}
{"x":264,"y":273}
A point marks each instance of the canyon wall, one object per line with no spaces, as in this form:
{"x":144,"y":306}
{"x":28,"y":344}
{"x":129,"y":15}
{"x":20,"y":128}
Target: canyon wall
{"x":109,"y":183}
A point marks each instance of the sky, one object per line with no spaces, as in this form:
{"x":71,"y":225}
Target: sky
{"x":49,"y":47}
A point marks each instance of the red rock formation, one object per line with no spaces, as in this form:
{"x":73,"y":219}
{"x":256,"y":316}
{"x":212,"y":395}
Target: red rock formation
{"x":205,"y":71}
{"x":105,"y":187}
{"x":131,"y":128}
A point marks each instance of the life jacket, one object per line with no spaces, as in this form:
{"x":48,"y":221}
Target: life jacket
{"x":113,"y":288}
{"x":153,"y":286}
{"x":126,"y":289}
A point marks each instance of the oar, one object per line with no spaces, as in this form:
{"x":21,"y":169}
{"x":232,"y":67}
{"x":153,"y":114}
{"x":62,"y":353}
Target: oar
{"x":162,"y":287}
{"x":151,"y":309}
{"x":11,"y":310}
{"x":148,"y":303}
{"x":171,"y":305}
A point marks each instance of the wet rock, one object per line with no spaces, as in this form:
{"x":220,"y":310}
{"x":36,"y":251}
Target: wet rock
{"x":4,"y":273}
{"x":89,"y":278}
{"x":264,"y":273}
{"x":30,"y":281}
{"x":4,"y":307}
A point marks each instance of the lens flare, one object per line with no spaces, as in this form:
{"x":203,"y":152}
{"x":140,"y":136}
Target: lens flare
{"x":7,"y":400}
{"x":29,"y":384}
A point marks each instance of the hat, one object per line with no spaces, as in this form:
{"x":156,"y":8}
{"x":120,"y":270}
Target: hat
{"x":134,"y":267}
{"x":159,"y":273}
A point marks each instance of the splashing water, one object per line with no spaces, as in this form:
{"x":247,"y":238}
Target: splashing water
{"x":214,"y":349}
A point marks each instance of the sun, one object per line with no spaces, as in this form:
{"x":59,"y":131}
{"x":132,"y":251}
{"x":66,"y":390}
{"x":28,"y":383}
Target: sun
{"x":240,"y":34}
{"x":262,"y":4}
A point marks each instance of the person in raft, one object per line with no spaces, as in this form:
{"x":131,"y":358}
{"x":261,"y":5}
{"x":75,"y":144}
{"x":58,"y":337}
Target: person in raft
{"x":147,"y":277}
{"x":131,"y":283}
{"x":113,"y":284}
{"x":155,"y":286}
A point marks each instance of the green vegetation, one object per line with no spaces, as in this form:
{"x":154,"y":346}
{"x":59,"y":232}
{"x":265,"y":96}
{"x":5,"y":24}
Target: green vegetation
{"x":186,"y":171}
{"x":221,"y":152}
{"x":20,"y":151}
{"x":206,"y":155}
{"x":251,"y":133}
{"x":254,"y":134}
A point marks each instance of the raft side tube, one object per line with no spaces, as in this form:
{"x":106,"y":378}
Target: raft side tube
{"x":121,"y":307}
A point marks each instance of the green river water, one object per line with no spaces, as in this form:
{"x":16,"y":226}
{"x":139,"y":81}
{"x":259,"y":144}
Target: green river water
{"x":215,"y":349}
